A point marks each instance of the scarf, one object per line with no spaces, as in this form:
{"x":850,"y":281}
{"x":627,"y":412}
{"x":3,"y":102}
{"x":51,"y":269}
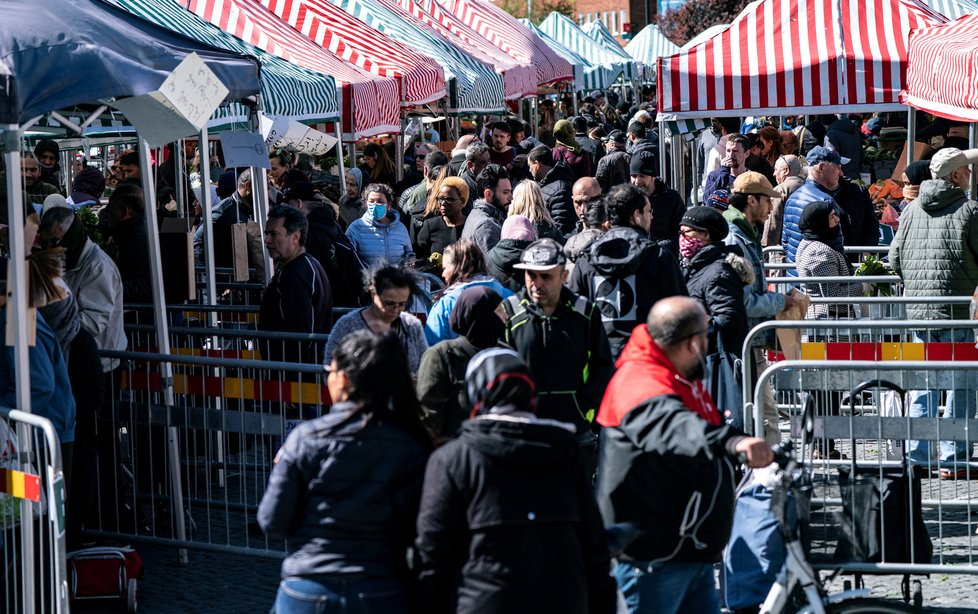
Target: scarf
{"x":814,"y":225}
{"x":564,"y":134}
{"x":499,"y":382}
{"x":690,"y":246}
{"x":474,"y":316}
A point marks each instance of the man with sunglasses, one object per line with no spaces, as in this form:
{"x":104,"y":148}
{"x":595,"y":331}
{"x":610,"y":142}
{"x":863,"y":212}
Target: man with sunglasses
{"x":667,"y":463}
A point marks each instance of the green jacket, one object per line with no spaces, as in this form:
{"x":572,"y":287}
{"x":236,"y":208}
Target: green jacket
{"x":935,"y":250}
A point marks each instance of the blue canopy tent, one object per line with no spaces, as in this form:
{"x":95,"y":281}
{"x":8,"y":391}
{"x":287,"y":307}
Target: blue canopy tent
{"x":58,"y":54}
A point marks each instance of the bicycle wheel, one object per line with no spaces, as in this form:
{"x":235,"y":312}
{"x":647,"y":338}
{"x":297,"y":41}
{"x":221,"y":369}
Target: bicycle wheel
{"x":869,"y":605}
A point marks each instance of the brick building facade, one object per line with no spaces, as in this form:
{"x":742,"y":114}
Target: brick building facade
{"x":618,"y":16}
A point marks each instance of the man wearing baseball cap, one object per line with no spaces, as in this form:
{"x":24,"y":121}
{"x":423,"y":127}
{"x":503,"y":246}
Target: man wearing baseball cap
{"x":826,"y":182}
{"x":560,"y":336}
{"x":935,"y":251}
{"x":613,"y":167}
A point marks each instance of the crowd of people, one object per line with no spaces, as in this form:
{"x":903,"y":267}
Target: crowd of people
{"x":570,"y":381}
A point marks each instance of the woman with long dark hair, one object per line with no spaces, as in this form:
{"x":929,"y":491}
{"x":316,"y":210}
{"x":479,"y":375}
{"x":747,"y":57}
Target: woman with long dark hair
{"x":346,"y":487}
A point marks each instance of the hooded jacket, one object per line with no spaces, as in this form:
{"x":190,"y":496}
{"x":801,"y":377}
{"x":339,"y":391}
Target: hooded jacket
{"x":500,"y":262}
{"x":712,"y":279}
{"x":665,"y":462}
{"x":625,"y":273}
{"x":376,"y":242}
{"x":437,"y":327}
{"x":95,"y":281}
{"x":484,"y":225}
{"x":508,"y":524}
{"x":556,"y":187}
{"x":935,"y":250}
{"x":340,"y":524}
{"x":760,"y":304}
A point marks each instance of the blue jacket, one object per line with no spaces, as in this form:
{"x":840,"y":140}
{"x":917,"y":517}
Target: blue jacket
{"x":808,"y":193}
{"x":437,"y":327}
{"x":380,"y":242}
{"x":51,"y":395}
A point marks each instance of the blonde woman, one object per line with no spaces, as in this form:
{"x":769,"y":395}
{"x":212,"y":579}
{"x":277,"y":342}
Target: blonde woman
{"x":528,"y":201}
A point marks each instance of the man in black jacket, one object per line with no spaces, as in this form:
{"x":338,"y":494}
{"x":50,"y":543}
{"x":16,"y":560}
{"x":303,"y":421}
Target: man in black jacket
{"x":126,"y":218}
{"x":613,"y":169}
{"x":666,"y":464}
{"x":298,"y":299}
{"x":625,"y":272}
{"x":556,"y":181}
{"x":667,"y":205}
{"x":560,"y":336}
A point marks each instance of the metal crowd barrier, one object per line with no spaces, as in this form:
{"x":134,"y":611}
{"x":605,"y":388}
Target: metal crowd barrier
{"x":231,"y":413}
{"x":875,"y":437}
{"x":33,"y":574}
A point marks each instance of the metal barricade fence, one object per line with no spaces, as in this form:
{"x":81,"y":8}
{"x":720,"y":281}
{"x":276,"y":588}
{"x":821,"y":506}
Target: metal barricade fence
{"x":33,"y":576}
{"x":875,"y":439}
{"x":207,"y":457}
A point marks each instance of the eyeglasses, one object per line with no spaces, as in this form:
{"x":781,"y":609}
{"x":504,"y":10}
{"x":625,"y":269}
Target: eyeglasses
{"x":446,"y":199}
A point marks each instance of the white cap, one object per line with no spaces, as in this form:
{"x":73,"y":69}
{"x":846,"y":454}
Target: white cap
{"x":950,"y":159}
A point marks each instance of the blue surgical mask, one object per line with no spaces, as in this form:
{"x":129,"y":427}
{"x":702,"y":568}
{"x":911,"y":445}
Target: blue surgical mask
{"x":377,"y":210}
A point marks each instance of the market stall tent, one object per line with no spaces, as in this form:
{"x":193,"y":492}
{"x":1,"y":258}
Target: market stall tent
{"x":941,"y":71}
{"x":770,"y":61}
{"x":369,"y":104}
{"x":586,"y":75}
{"x":569,"y":34}
{"x":952,"y":9}
{"x":648,"y":46}
{"x":519,"y":79}
{"x":507,"y":33}
{"x":422,"y":80}
{"x":286,"y":89}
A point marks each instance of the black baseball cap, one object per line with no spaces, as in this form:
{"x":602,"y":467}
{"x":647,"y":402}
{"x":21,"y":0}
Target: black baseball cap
{"x":616,"y":135}
{"x":541,"y":255}
{"x":301,"y":190}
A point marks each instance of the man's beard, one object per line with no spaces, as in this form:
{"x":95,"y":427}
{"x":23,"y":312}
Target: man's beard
{"x":698,"y":370}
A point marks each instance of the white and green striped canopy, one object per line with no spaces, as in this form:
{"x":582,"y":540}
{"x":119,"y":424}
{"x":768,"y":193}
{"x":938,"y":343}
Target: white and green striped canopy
{"x":952,"y":9}
{"x":648,"y":46}
{"x":474,"y":86}
{"x":569,"y":34}
{"x":588,"y":74}
{"x":287,"y":90}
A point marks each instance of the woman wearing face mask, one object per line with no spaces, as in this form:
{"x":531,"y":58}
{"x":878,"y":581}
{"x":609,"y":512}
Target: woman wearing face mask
{"x":378,"y":235}
{"x":390,"y":292}
{"x":476,"y":320}
{"x":345,"y":488}
{"x":714,"y":276}
{"x":351,"y":203}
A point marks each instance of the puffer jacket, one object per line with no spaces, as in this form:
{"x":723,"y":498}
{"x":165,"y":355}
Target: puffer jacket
{"x":665,"y":459}
{"x":380,"y":242}
{"x":556,"y":187}
{"x":339,"y":523}
{"x":935,"y":250}
{"x":613,"y":170}
{"x":625,"y":273}
{"x":808,"y":193}
{"x":761,"y":305}
{"x":712,"y":280}
{"x":484,"y":225}
{"x":509,"y":523}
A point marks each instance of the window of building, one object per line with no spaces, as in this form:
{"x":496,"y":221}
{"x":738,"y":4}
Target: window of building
{"x":613,"y":26}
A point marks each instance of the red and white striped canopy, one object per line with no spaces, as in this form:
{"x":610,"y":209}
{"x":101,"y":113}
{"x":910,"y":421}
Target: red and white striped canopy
{"x":942,"y":70}
{"x":796,"y":56}
{"x":506,"y":32}
{"x":422,"y":78}
{"x":370,"y":103}
{"x":518,"y":79}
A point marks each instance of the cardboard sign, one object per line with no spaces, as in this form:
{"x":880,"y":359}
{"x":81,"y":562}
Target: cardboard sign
{"x":180,"y":108}
{"x":244,"y":149}
{"x":286,"y":133}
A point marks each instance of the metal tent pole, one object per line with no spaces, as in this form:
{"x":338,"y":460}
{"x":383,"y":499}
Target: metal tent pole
{"x":259,"y":199}
{"x":17,"y":321}
{"x":339,"y":157}
{"x":911,"y":132}
{"x":662,"y":149}
{"x":163,"y":345}
{"x":972,"y":139}
{"x":179,"y":166}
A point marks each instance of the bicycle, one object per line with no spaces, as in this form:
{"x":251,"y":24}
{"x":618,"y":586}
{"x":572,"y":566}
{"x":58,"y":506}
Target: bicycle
{"x":797,"y":573}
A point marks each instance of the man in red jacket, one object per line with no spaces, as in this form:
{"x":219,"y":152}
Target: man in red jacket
{"x":667,"y":463}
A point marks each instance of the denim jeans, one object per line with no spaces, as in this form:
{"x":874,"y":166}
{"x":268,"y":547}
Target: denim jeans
{"x":924,"y":403}
{"x":307,"y":596}
{"x":668,"y":588}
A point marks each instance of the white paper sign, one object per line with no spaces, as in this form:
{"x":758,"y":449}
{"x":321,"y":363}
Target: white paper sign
{"x":243,"y":149}
{"x":286,"y":133}
{"x":181,"y":107}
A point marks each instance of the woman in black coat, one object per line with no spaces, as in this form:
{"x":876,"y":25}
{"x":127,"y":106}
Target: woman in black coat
{"x":508,"y":521}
